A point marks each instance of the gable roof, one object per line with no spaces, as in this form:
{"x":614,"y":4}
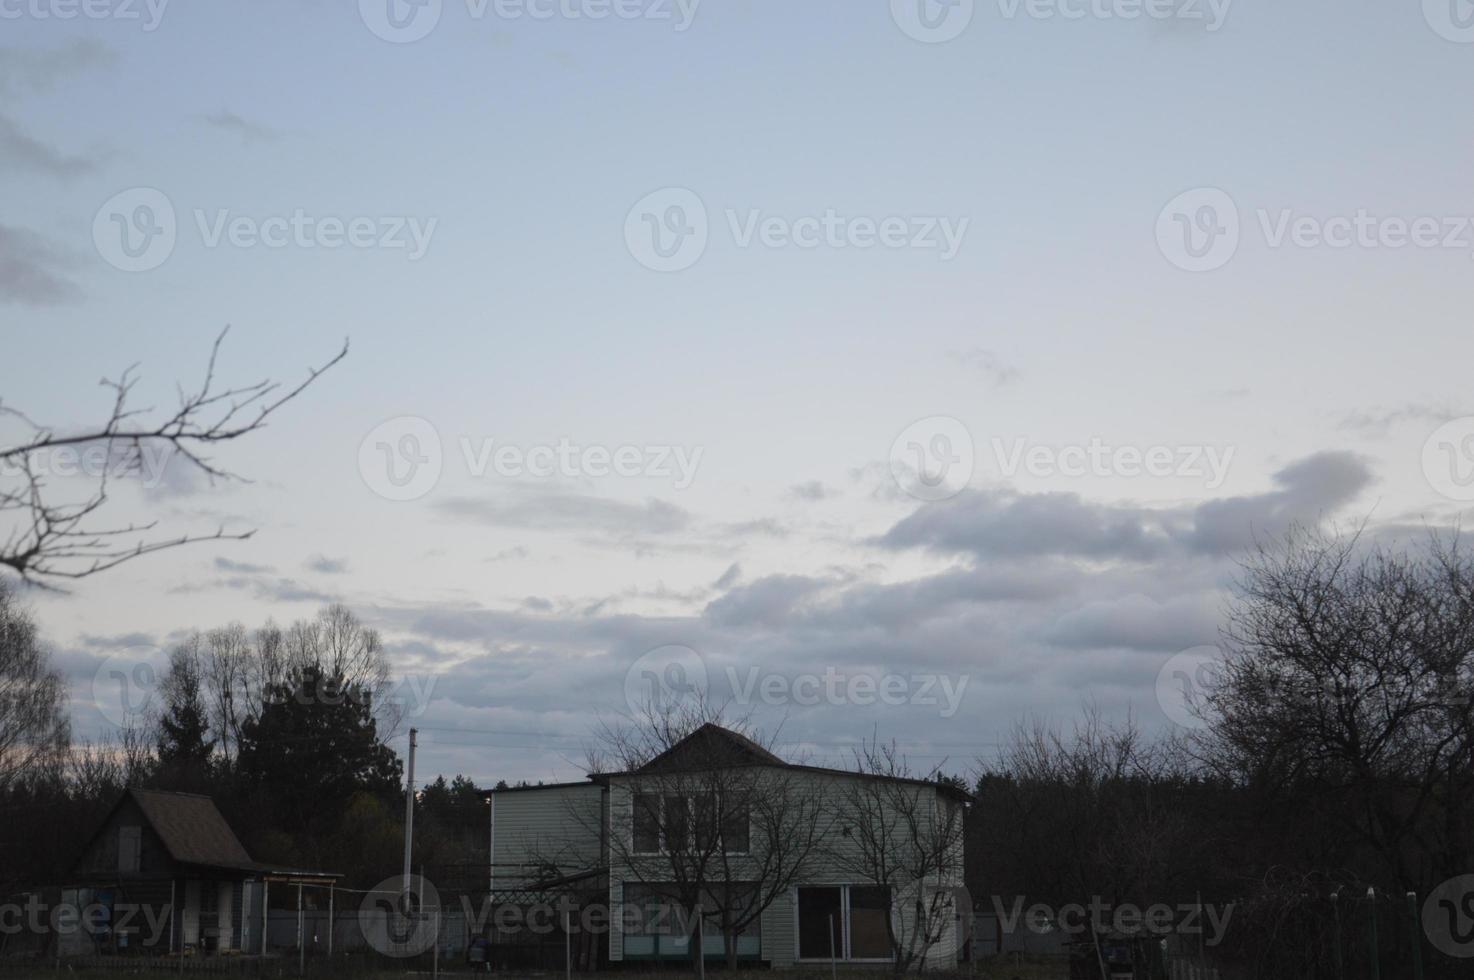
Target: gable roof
{"x":712,"y":745}
{"x":708,"y":746}
{"x":192,"y":828}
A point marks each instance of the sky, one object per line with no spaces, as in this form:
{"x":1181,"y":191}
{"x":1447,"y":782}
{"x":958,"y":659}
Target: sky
{"x":895,"y":369}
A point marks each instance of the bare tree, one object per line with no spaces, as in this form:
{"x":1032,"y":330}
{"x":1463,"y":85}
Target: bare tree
{"x":51,"y":538}
{"x":900,"y":834}
{"x":705,"y":817}
{"x":1349,"y":686}
{"x":33,"y":721}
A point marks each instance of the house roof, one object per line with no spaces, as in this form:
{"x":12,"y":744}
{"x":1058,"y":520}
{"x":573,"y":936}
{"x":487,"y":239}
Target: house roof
{"x":192,"y":829}
{"x":194,"y":832}
{"x":712,"y":745}
{"x":708,"y":746}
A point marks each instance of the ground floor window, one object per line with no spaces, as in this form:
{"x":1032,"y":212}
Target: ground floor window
{"x":847,"y":922}
{"x":662,"y":927}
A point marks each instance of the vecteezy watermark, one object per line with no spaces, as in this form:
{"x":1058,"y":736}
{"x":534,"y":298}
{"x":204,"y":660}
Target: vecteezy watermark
{"x":1452,"y":20}
{"x":120,"y":460}
{"x":407,"y":21}
{"x":137,"y":230}
{"x":93,"y":919}
{"x":1099,"y":916}
{"x":666,"y":675}
{"x":846,"y":688}
{"x":1200,"y":230}
{"x":1095,"y":458}
{"x":402,"y":459}
{"x":1448,"y":917}
{"x":400,"y":917}
{"x":668,"y":230}
{"x":1186,"y":681}
{"x":125,"y":686}
{"x":1212,"y":13}
{"x":932,"y":21}
{"x":1448,"y":459}
{"x":146,"y":13}
{"x":933,"y":459}
{"x":671,"y":674}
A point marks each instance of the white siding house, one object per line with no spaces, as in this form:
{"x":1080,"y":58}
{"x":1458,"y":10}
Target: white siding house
{"x":868,"y":834}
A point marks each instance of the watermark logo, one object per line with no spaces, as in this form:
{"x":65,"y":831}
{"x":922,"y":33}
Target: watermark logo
{"x":933,"y":459}
{"x":1212,"y":13}
{"x":136,"y":230}
{"x":667,"y":230}
{"x":148,"y":13}
{"x":1199,"y":230}
{"x":672,"y":674}
{"x":125,"y":687}
{"x":1448,"y":459}
{"x":148,"y":463}
{"x":1099,"y":917}
{"x":1452,"y":20}
{"x":1209,"y":464}
{"x":1448,"y":917}
{"x":1186,"y":681}
{"x":663,"y":676}
{"x":400,"y":21}
{"x":932,"y":21}
{"x":400,"y":917}
{"x":401,"y":459}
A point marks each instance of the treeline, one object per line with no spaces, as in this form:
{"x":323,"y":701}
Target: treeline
{"x":1332,"y":774}
{"x":286,"y":728}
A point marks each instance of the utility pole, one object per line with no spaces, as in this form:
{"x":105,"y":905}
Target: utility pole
{"x":409,"y":814}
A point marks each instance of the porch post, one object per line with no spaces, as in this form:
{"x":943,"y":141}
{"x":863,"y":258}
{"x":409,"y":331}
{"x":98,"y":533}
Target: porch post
{"x":301,"y":948}
{"x":265,"y":911}
{"x":332,"y":885}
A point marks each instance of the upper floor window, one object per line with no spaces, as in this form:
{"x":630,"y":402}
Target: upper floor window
{"x":675,"y":824}
{"x":130,"y":848}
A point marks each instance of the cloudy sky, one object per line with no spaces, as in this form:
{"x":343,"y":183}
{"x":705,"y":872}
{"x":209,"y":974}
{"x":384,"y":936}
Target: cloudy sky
{"x":764,"y":345}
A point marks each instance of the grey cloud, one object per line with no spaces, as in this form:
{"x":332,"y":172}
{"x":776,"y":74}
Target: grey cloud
{"x":41,"y":70}
{"x":230,"y":122}
{"x":729,"y":578}
{"x":32,"y":270}
{"x":1380,"y":421}
{"x":1310,"y":490}
{"x":1140,"y":622}
{"x":812,"y":490}
{"x":1007,"y":524}
{"x":995,"y":523}
{"x":766,"y":602}
{"x":118,"y":641}
{"x":22,"y":153}
{"x":988,"y":364}
{"x":326,"y":565}
{"x":556,"y":510}
{"x":241,"y":567}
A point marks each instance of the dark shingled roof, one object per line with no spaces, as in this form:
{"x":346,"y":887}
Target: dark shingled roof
{"x":192,"y":829}
{"x":711,"y":745}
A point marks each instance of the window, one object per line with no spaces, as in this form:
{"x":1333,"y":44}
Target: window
{"x":851,"y":917}
{"x":676,"y":823}
{"x":820,"y":923}
{"x":647,"y":823}
{"x":130,"y":848}
{"x":870,"y":909}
